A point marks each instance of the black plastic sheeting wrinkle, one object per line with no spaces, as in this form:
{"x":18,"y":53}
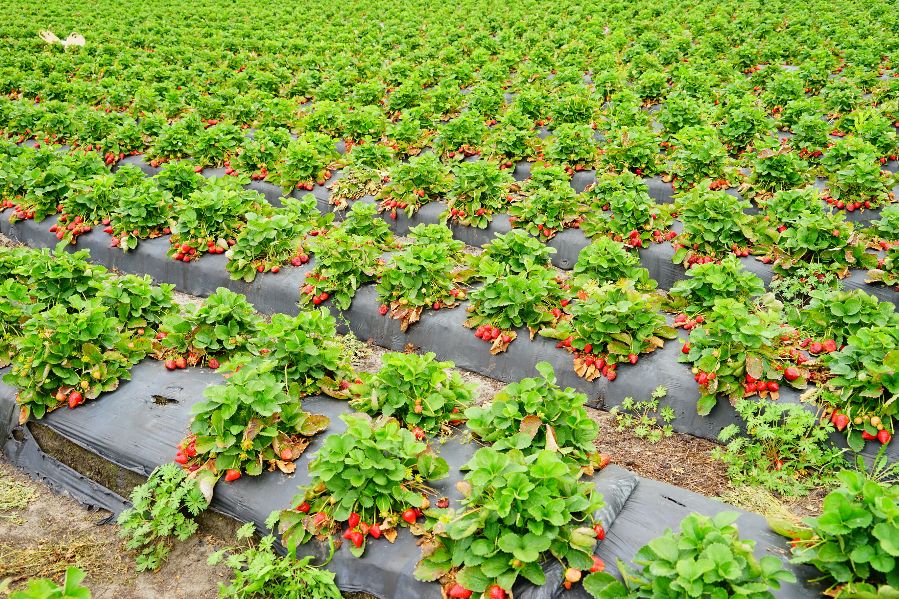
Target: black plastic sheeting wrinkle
{"x":131,"y":429}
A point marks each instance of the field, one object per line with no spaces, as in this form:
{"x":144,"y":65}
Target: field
{"x":459,"y":300}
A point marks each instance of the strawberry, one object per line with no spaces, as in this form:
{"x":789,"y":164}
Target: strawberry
{"x":75,"y":399}
{"x":180,"y":458}
{"x":457,"y":591}
{"x":356,"y":538}
{"x":598,"y":564}
{"x":170,"y":365}
{"x":180,"y":362}
{"x":868,"y":436}
{"x":773,"y":387}
{"x":286,"y":455}
{"x":353,"y":520}
{"x":632,"y":358}
{"x":884,"y":436}
{"x":829,"y":345}
{"x":232,"y":475}
{"x":791,"y":373}
{"x":815,"y":348}
{"x":410,"y":516}
{"x":496,"y":592}
{"x":319,"y":519}
{"x":375,"y":531}
{"x":841,"y":421}
{"x":600,"y":531}
{"x":685,"y":349}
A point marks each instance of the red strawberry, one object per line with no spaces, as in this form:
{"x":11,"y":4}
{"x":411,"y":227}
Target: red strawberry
{"x":170,"y":365}
{"x":496,"y":592}
{"x":232,"y":475}
{"x":353,"y":520}
{"x":791,"y":373}
{"x":375,"y":531}
{"x":180,"y":458}
{"x":600,"y":531}
{"x":357,"y":539}
{"x":598,"y":564}
{"x":286,"y":455}
{"x":829,"y":345}
{"x":815,"y":348}
{"x":588,"y":348}
{"x":632,"y":358}
{"x":180,"y":362}
{"x":868,"y":436}
{"x":319,"y":519}
{"x":75,"y":399}
{"x":841,"y":421}
{"x":884,"y":436}
{"x":457,"y":591}
{"x":773,"y":387}
{"x":410,"y":516}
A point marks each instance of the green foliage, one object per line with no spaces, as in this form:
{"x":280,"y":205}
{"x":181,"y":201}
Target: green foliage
{"x":705,"y":283}
{"x":415,"y":389}
{"x":707,"y":558}
{"x":44,"y":588}
{"x":490,"y":540}
{"x":162,"y":510}
{"x":785,"y":448}
{"x":644,"y":419}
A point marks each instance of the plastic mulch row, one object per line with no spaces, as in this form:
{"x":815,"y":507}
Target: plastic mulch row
{"x":441,"y":332}
{"x":131,"y":428}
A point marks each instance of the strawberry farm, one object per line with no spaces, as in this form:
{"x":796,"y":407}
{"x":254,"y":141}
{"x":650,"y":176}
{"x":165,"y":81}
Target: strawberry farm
{"x":475,"y":300}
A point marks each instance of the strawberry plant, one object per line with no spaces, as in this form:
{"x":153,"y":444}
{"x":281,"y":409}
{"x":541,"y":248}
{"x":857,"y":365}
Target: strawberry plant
{"x":837,"y":315}
{"x":258,"y":569}
{"x":863,"y":384}
{"x":887,"y":271}
{"x":136,"y":302}
{"x":714,"y":224}
{"x":213,"y":145}
{"x":174,"y":140}
{"x":180,"y":179}
{"x":854,"y":175}
{"x":779,"y":168}
{"x":736,"y":353}
{"x":415,"y":389}
{"x":810,"y":135}
{"x":249,"y":423}
{"x":705,"y":283}
{"x":96,"y":198}
{"x":414,"y":183}
{"x":535,"y":413}
{"x":210,"y":217}
{"x":256,"y":156}
{"x":223,"y":324}
{"x":367,"y":167}
{"x":163,"y":509}
{"x":362,"y":220}
{"x":615,"y":323}
{"x":518,"y":252}
{"x":572,"y":145}
{"x":706,"y":557}
{"x":697,"y":154}
{"x":514,"y":139}
{"x":680,"y":111}
{"x":305,"y":161}
{"x":784,"y":448}
{"x":608,"y":261}
{"x":545,"y":212}
{"x":478,"y":190}
{"x":426,"y":273}
{"x":823,"y":238}
{"x":307,"y":350}
{"x":461,"y":136}
{"x":886,"y":228}
{"x":70,"y":354}
{"x":742,"y":122}
{"x":143,"y":212}
{"x":796,"y":286}
{"x":853,"y":543}
{"x":787,"y":205}
{"x":373,"y":477}
{"x":486,"y":545}
{"x":344,"y":262}
{"x":633,"y":149}
{"x":265,"y":244}
{"x":506,"y":302}
{"x":635,"y":218}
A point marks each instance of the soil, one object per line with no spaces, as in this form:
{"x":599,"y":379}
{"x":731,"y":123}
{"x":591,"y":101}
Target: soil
{"x":42,"y":533}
